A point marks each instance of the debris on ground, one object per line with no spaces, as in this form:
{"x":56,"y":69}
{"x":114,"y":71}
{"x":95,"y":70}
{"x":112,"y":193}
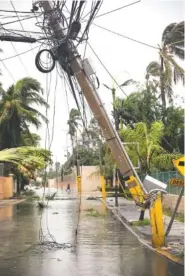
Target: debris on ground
{"x":91,"y":198}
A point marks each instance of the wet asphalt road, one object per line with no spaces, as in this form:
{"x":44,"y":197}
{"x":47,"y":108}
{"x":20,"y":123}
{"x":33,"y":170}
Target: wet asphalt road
{"x":104,"y":246}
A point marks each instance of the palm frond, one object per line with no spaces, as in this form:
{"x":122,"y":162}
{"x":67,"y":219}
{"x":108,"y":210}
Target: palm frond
{"x":153,"y":69}
{"x":25,"y":85}
{"x":178,"y":71}
{"x":173,"y":39}
{"x":35,"y":112}
{"x":179,"y":52}
{"x":177,"y":35}
{"x":107,"y":86}
{"x":166,"y":36}
{"x":128,"y":82}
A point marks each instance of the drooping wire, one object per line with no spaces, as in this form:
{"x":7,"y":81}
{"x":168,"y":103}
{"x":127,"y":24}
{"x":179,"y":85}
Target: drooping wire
{"x":48,"y":241}
{"x":92,"y":15}
{"x":75,"y":98}
{"x":54,"y":112}
{"x":72,"y":13}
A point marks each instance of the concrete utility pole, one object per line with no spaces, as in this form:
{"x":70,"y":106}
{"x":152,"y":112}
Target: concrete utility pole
{"x":67,"y":54}
{"x":92,"y":96}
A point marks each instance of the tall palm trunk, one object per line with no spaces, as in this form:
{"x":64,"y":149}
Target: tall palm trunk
{"x":162,"y":84}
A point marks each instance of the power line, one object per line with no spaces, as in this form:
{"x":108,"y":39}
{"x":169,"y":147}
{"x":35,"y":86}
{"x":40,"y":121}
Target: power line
{"x":22,"y":31}
{"x":15,"y":21}
{"x":18,"y":56}
{"x":18,"y":18}
{"x":120,"y":8}
{"x":17,"y":15}
{"x":8,"y":70}
{"x":11,"y":16}
{"x":124,"y":36}
{"x":20,"y":53}
{"x":106,"y":68}
{"x":54,"y":112}
{"x":16,"y":11}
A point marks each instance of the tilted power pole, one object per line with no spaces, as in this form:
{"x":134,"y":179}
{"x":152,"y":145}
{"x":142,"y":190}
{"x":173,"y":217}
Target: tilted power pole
{"x":93,"y":99}
{"x":82,"y":75}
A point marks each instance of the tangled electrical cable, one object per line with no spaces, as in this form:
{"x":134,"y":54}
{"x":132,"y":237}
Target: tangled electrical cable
{"x":43,"y":66}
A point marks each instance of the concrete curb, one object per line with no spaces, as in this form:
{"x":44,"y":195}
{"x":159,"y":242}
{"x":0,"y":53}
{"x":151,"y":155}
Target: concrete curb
{"x":139,"y":236}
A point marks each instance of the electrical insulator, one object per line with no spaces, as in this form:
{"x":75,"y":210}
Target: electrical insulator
{"x":75,"y":28}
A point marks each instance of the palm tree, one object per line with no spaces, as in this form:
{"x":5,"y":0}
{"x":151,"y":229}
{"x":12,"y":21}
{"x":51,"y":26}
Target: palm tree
{"x":150,"y":153}
{"x":73,"y":122}
{"x":113,"y":90}
{"x":167,"y":69}
{"x":17,"y":111}
{"x":26,"y":159}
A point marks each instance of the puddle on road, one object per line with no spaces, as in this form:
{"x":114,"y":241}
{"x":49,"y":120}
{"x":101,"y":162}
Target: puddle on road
{"x":104,"y":246}
{"x":6,"y":213}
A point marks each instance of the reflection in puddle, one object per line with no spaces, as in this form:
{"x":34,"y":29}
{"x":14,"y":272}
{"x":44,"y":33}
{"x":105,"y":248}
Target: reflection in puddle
{"x":6,"y":212}
{"x":104,"y":246}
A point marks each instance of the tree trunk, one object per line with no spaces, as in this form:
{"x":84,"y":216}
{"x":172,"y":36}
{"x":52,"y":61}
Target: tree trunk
{"x":19,"y":184}
{"x":163,"y":96}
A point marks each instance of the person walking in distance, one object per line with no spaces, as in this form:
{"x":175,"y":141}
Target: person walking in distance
{"x":68,"y":190}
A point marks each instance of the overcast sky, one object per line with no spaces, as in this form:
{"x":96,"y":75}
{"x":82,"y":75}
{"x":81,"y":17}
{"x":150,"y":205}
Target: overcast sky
{"x":144,"y":21}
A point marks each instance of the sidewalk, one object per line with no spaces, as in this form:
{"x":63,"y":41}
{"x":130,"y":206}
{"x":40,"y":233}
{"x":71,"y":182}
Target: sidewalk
{"x":128,"y":212}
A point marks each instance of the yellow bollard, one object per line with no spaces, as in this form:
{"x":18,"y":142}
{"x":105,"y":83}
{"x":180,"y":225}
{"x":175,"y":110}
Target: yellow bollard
{"x":102,"y":181}
{"x":157,"y":224}
{"x":79,"y":184}
{"x":156,"y":214}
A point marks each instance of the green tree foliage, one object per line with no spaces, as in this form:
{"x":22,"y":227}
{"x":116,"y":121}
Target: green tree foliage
{"x":17,"y":111}
{"x":73,"y":123}
{"x":174,"y":129}
{"x":30,"y":139}
{"x":140,"y":106}
{"x":115,"y":112}
{"x":150,"y":149}
{"x":139,"y":116}
{"x":144,"y":106}
{"x":26,"y":159}
{"x":167,"y":70}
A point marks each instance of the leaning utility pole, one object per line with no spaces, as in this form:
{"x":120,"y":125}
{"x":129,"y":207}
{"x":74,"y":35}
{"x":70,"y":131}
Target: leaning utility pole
{"x":91,"y":96}
{"x":68,"y":57}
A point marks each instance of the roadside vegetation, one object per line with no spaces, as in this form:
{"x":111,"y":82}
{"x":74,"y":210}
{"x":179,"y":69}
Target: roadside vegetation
{"x":151,"y":115}
{"x":93,"y":212}
{"x":144,"y":222}
{"x":169,"y":212}
{"x":150,"y":118}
